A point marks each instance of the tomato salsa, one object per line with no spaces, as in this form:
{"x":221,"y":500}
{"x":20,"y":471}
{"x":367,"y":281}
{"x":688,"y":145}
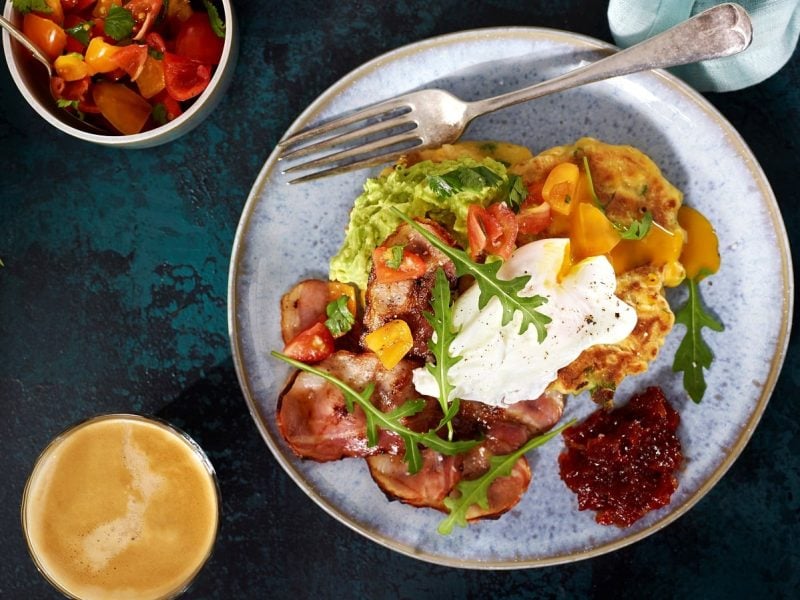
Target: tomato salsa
{"x":622,"y":463}
{"x":126,"y":65}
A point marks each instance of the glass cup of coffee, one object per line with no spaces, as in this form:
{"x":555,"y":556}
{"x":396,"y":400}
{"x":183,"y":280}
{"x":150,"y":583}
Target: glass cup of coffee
{"x":121,"y":506}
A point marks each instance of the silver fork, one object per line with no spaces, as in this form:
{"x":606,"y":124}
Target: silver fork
{"x":430,"y":118}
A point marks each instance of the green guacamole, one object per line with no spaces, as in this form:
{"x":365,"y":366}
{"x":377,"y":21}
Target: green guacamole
{"x":408,"y":190}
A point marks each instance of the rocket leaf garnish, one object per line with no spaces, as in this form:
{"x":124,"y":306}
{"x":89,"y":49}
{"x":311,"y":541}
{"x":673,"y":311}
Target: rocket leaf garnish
{"x":441,"y":319}
{"x":693,"y":354}
{"x":390,"y":421}
{"x":485,"y":275}
{"x":475,"y":491}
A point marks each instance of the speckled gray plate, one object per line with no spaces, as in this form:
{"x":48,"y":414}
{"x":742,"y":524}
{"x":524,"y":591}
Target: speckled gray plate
{"x":288,"y":233}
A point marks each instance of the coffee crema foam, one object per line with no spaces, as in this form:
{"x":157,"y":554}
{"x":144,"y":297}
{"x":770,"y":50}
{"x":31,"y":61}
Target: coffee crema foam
{"x":121,"y":508}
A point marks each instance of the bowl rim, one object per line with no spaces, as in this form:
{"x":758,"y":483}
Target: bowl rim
{"x":168,"y":130}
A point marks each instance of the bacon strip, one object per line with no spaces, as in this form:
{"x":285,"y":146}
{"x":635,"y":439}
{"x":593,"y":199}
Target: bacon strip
{"x":428,"y":487}
{"x":407,"y":300}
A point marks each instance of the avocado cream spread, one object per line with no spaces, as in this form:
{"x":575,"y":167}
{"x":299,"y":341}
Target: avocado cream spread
{"x":410,"y":191}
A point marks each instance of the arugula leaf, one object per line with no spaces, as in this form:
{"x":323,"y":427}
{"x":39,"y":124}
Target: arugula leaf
{"x":693,"y":354}
{"x":475,"y":491}
{"x":24,"y":6}
{"x":389,"y":421}
{"x":441,"y":320}
{"x":516,"y":192}
{"x":340,"y":320}
{"x":396,"y":258}
{"x":637,"y":229}
{"x":217,"y":25}
{"x":463,"y":178}
{"x":119,"y":23}
{"x":505,"y":290}
{"x":80,"y":32}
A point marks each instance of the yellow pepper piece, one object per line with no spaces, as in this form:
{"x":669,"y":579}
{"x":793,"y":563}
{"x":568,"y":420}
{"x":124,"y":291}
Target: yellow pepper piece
{"x":70,"y":67}
{"x":390,"y":343}
{"x":592,"y":234}
{"x":98,"y":56}
{"x":559,"y":187}
{"x":701,"y":251}
{"x":151,"y":79}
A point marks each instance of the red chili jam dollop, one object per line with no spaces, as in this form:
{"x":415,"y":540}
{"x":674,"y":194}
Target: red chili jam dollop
{"x":622,"y":463}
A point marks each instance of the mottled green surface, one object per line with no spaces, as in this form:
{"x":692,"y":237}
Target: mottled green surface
{"x":113,"y":298}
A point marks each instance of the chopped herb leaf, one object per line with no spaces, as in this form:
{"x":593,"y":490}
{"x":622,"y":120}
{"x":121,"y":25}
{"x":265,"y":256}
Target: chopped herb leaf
{"x":396,"y":259}
{"x":643,"y":191}
{"x":159,"y":113}
{"x":340,"y":319}
{"x":155,"y":53}
{"x":637,"y":229}
{"x":70,"y":104}
{"x":693,"y":354}
{"x":217,"y":25}
{"x":389,"y":421}
{"x":463,"y":178}
{"x":80,"y":32}
{"x":485,"y":275}
{"x":119,"y":23}
{"x":593,"y":194}
{"x":24,"y":6}
{"x":475,"y":491}
{"x":517,"y":192}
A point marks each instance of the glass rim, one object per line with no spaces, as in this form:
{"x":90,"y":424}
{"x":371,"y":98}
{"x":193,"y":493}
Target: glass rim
{"x":163,"y":424}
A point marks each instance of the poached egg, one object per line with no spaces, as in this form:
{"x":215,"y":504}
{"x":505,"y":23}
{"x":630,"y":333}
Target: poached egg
{"x":499,"y":366}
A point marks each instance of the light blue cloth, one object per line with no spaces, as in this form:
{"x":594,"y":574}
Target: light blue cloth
{"x":776,"y":24}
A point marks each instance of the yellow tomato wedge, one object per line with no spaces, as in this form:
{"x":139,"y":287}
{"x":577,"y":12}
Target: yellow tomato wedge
{"x":390,"y":343}
{"x":99,"y":56}
{"x":559,"y":187}
{"x":126,"y":110}
{"x":591,"y":233}
{"x":151,"y":78}
{"x":71,"y":67}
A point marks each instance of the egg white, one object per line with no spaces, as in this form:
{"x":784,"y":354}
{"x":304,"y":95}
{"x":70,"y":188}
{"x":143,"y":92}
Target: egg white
{"x":500,"y":366}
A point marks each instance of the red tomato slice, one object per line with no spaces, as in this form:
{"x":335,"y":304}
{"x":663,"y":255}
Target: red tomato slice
{"x":483,"y":231}
{"x":144,"y":15}
{"x":312,"y":345}
{"x":505,"y":243}
{"x":411,"y":265}
{"x":185,"y":78}
{"x":130,"y":59}
{"x":196,"y":40}
{"x":533,"y":218}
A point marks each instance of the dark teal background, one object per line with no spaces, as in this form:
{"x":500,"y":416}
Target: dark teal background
{"x":113,"y":298}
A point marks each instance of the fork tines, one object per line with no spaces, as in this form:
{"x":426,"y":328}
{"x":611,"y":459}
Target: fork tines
{"x":362,"y":138}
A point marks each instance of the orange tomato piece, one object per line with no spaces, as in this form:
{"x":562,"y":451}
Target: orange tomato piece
{"x":151,"y":79}
{"x":100,"y":56}
{"x":56,"y":12}
{"x":46,"y":34}
{"x":126,"y":110}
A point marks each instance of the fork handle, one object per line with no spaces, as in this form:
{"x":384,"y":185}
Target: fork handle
{"x":719,"y":31}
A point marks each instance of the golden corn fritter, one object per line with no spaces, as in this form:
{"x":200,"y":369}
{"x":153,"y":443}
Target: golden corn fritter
{"x":628,"y":184}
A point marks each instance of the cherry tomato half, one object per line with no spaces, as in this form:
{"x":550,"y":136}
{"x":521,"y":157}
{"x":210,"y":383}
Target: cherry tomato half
{"x":410,"y":265}
{"x":185,"y":78}
{"x":196,"y":40}
{"x":47,"y":36}
{"x":312,"y":345}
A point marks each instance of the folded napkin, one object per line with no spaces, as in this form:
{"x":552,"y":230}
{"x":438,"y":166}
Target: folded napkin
{"x":776,"y":24}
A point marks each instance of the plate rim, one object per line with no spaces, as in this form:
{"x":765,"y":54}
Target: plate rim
{"x":582,"y":42}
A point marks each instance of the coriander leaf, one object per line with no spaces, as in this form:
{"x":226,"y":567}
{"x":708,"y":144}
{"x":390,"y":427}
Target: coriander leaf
{"x":340,"y":320}
{"x":693,"y":354}
{"x":64,"y":103}
{"x":119,"y":23}
{"x":389,"y":421}
{"x":637,"y":229}
{"x":505,"y":290}
{"x":80,"y":32}
{"x":516,"y":192}
{"x":24,"y":6}
{"x":159,"y":113}
{"x":157,"y":54}
{"x":441,"y":319}
{"x":475,"y":491}
{"x":463,"y":178}
{"x":396,"y":258}
{"x":217,"y":25}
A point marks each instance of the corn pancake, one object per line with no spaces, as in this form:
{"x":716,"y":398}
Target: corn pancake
{"x":628,"y":184}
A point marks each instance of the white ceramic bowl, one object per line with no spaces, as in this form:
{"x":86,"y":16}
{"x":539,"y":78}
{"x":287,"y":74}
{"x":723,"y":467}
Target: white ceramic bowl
{"x":31,"y":79}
